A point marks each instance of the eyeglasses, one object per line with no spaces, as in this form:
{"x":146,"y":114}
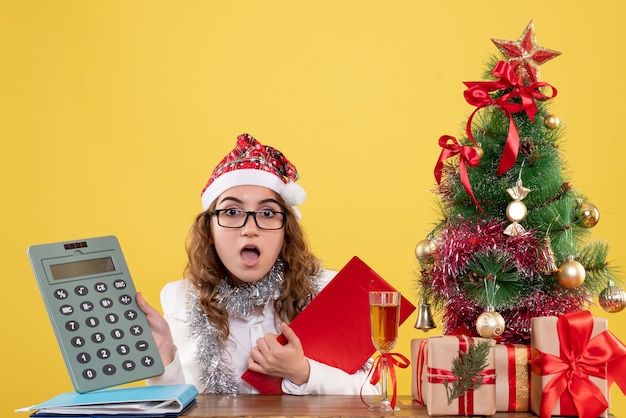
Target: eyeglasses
{"x":237,"y":218}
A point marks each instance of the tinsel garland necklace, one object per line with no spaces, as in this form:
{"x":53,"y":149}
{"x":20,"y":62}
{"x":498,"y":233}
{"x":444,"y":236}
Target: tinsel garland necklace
{"x":239,"y":301}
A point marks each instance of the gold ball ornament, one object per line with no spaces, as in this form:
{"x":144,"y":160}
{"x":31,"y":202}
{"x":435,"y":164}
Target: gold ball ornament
{"x":490,"y":324}
{"x":612,"y":299}
{"x":516,"y":211}
{"x":571,"y":274}
{"x":423,"y":249}
{"x":479,"y":151}
{"x":587,"y":215}
{"x":551,"y":121}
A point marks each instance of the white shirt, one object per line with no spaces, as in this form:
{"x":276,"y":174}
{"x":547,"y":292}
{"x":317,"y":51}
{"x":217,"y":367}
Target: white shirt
{"x":323,"y":379}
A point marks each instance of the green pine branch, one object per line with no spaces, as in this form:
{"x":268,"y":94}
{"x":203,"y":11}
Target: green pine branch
{"x":466,"y":369}
{"x":593,"y":256}
{"x":503,"y":285}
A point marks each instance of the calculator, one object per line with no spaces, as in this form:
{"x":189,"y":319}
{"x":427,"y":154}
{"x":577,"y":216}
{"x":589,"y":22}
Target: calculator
{"x":89,"y":295}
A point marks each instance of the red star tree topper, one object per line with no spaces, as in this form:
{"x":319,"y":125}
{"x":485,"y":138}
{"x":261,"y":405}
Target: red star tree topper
{"x":524,"y":55}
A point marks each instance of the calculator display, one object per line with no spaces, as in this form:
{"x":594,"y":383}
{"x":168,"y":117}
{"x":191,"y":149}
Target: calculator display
{"x":82,"y":268}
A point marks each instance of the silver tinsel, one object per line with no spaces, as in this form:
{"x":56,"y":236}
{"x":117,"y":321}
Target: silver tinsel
{"x":216,"y":376}
{"x":239,"y":301}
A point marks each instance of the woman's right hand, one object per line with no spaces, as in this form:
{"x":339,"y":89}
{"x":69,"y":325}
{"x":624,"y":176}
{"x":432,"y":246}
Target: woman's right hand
{"x":160,"y":330}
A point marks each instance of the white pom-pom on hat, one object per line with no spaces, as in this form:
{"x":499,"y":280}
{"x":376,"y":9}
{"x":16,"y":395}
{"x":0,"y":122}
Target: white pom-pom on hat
{"x":293,"y":194}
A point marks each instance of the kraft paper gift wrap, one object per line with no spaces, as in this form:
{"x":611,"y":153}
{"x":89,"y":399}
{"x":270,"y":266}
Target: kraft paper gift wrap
{"x":548,"y":337}
{"x":418,"y":347}
{"x":436,"y":356}
{"x":512,"y":377}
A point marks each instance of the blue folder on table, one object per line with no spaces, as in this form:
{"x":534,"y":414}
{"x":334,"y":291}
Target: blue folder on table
{"x":140,"y":401}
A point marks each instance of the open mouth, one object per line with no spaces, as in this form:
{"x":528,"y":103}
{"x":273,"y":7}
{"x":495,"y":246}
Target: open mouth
{"x":250,"y":254}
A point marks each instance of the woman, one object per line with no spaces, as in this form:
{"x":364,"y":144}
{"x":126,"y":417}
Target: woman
{"x":249,"y":274}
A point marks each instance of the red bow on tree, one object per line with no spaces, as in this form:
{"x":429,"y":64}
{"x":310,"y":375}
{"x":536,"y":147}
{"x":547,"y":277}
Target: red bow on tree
{"x":467,"y":155}
{"x":478,"y":94}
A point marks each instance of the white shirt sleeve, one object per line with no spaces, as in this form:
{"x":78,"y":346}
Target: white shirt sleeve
{"x":178,"y":371}
{"x":328,"y":380}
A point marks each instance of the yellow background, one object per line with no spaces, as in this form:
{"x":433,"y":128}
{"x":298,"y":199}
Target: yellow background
{"x":113,"y":113}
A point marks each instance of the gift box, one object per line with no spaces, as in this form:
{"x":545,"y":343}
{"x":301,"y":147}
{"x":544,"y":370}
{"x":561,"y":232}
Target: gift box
{"x":569,"y":365}
{"x":512,"y":377}
{"x":433,"y":363}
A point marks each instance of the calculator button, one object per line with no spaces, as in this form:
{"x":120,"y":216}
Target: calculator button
{"x":78,"y":341}
{"x":109,"y":369}
{"x":136,"y":330}
{"x":106,"y":302}
{"x":141,"y":345}
{"x":130,"y":314}
{"x":147,"y":361}
{"x":112,"y":318}
{"x":117,"y":334}
{"x":89,"y":374}
{"x":92,"y":322}
{"x":87,"y":306}
{"x":119,"y":284}
{"x":72,"y":325}
{"x":128,"y":365}
{"x":103,"y":353}
{"x":66,"y":310}
{"x":60,"y":294}
{"x":97,"y":337}
{"x":100,"y":287}
{"x":81,"y":290}
{"x":125,"y":300}
{"x":123,"y":349}
{"x":83,"y":358}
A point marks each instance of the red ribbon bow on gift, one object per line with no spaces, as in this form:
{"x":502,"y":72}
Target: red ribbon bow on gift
{"x":602,"y":356}
{"x":478,"y":95}
{"x":467,"y":155}
{"x":393,"y":360}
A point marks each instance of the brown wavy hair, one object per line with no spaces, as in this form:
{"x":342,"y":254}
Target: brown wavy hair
{"x":205,"y":270}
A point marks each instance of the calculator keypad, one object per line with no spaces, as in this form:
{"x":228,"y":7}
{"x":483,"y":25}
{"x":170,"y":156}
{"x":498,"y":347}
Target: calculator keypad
{"x":105,"y":336}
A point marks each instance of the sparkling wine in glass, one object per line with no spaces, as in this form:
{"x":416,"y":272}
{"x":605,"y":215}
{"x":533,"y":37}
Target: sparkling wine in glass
{"x":384,"y":318}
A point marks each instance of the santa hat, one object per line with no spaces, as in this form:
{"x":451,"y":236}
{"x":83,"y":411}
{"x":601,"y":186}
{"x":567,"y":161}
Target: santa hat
{"x":252,"y":164}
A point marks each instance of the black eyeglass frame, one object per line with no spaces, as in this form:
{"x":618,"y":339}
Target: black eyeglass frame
{"x":249,"y":213}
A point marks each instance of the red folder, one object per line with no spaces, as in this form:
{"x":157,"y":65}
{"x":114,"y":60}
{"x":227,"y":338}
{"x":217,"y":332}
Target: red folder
{"x":335,"y":327}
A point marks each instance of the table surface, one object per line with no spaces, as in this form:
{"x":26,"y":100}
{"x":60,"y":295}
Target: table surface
{"x":304,"y":406}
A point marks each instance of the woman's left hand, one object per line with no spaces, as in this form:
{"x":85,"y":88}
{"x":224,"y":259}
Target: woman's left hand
{"x":287,"y":361}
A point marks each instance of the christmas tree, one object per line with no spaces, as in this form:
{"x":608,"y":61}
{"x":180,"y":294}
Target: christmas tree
{"x":513,"y":239}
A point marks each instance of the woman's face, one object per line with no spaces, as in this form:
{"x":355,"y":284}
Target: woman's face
{"x":248,"y":252}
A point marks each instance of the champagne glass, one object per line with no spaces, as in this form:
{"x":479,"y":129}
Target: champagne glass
{"x":384,"y":318}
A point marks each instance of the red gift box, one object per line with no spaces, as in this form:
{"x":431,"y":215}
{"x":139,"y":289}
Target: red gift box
{"x":433,"y":359}
{"x":512,"y":377}
{"x":574,"y":360}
